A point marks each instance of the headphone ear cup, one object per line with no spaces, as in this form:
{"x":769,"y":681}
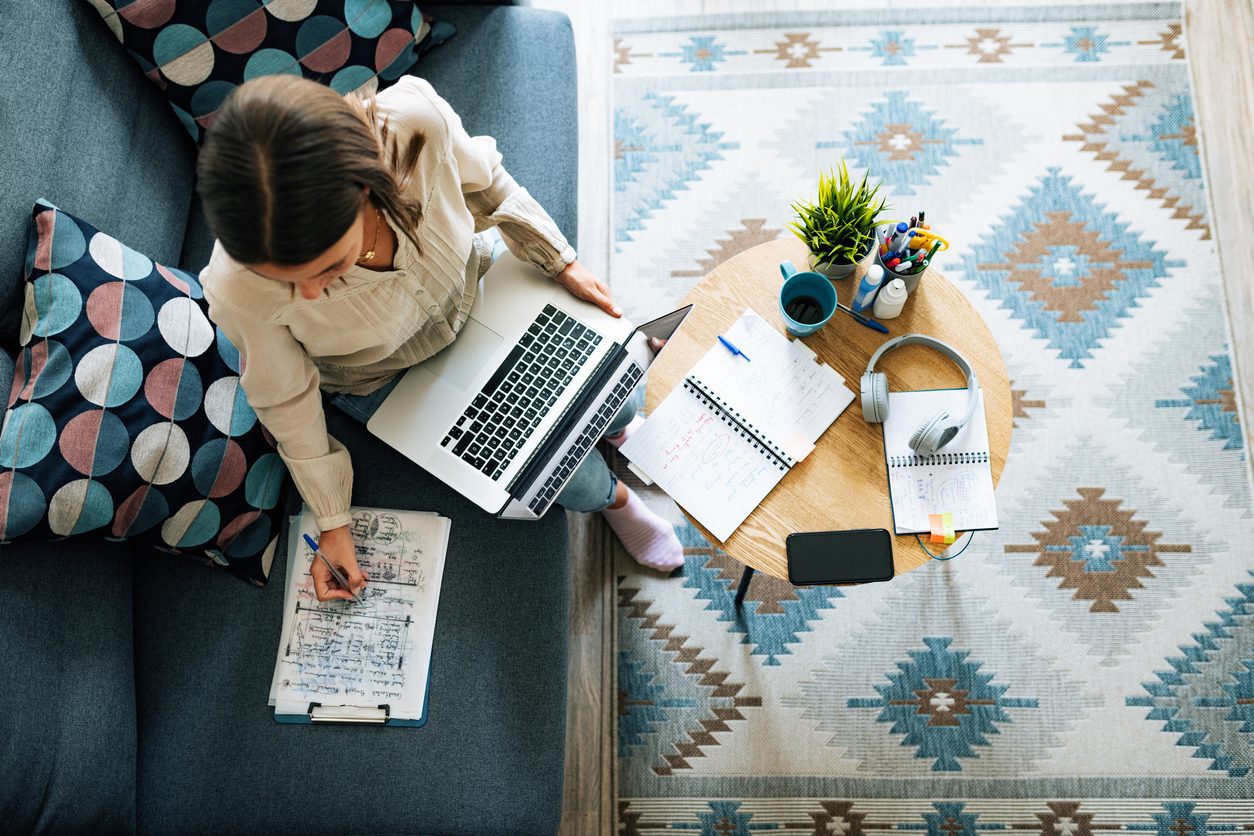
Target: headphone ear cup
{"x":926,"y":438}
{"x":874,"y":386}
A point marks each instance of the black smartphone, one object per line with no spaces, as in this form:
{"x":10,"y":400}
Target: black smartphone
{"x":858,"y":556}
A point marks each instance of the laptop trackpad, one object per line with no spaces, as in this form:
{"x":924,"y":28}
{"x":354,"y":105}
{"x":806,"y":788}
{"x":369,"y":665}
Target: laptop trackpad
{"x":465,"y":358}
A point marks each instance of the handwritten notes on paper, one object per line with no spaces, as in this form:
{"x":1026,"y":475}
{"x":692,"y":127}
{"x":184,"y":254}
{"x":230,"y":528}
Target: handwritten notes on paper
{"x":374,"y":653}
{"x":726,"y":436}
{"x":703,"y":462}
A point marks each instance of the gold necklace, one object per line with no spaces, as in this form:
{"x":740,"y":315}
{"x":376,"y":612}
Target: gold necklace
{"x":370,"y":253}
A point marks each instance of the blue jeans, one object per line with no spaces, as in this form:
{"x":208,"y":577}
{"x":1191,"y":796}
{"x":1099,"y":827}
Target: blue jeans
{"x":591,"y":488}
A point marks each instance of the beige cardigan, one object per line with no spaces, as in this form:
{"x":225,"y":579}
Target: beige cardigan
{"x":376,"y":323}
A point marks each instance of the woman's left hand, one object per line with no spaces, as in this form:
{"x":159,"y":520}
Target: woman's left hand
{"x":583,"y":285}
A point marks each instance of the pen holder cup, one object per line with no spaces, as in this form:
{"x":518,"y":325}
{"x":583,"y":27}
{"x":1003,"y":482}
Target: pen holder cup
{"x":911,"y":280}
{"x":807,"y":300}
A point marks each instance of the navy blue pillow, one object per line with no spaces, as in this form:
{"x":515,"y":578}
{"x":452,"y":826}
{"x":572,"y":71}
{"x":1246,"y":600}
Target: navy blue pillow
{"x":198,"y":51}
{"x":126,"y":417}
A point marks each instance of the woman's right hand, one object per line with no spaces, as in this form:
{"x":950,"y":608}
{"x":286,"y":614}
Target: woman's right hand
{"x":337,"y":546}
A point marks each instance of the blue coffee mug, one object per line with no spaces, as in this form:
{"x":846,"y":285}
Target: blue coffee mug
{"x":807,"y":300}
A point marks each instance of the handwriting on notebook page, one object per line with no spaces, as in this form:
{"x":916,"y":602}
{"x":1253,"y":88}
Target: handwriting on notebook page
{"x":348,"y":653}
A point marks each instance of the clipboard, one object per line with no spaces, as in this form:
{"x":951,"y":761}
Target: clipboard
{"x":363,"y":663}
{"x":319,"y":714}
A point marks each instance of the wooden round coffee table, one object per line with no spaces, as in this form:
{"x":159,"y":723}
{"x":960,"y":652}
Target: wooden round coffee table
{"x":843,"y":483}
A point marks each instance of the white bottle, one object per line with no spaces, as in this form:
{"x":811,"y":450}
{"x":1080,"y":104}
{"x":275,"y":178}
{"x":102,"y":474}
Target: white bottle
{"x":867,"y":289}
{"x":890,"y":300}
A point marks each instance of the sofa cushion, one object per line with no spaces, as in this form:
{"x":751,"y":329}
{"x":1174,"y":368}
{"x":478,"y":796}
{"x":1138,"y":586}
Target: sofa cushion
{"x":489,"y":759}
{"x":198,"y":52}
{"x":67,"y":689}
{"x":126,"y":417}
{"x":82,"y":126}
{"x":510,"y":74}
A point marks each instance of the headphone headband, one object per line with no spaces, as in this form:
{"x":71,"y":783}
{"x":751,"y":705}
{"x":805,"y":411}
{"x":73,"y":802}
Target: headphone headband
{"x":973,"y":384}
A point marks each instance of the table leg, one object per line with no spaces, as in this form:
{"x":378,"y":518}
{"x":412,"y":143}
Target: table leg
{"x":745,"y":577}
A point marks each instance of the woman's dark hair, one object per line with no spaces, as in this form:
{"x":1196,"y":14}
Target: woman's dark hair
{"x":283,"y":167}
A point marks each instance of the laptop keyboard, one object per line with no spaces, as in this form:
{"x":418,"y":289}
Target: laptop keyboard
{"x":501,"y":418}
{"x":586,"y":439}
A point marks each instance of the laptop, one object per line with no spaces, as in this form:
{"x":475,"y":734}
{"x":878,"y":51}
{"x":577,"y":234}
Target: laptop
{"x":506,"y":414}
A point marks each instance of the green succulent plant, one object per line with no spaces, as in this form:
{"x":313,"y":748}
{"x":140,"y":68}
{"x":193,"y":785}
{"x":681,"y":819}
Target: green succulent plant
{"x":840,"y":226}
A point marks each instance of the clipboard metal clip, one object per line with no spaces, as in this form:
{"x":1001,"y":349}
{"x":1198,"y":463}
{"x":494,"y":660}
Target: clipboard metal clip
{"x":319,"y":713}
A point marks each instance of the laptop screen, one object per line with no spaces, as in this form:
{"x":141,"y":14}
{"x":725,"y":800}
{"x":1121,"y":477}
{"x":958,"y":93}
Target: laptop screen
{"x":656,"y":332}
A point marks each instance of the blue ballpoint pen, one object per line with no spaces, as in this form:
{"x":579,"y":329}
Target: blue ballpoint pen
{"x":335,"y":573}
{"x":735,"y":351}
{"x":870,"y":323}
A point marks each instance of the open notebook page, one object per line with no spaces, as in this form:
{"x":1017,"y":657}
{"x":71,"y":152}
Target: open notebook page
{"x":958,"y":479}
{"x":702,"y":463}
{"x":376,"y":652}
{"x":781,"y":389}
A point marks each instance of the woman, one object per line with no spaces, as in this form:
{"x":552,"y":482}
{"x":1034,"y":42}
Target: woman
{"x":347,"y":252}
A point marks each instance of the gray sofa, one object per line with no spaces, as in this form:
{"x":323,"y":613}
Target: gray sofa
{"x":132,"y":683}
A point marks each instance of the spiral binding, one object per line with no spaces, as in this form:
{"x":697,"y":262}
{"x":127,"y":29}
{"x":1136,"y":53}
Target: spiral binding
{"x":937,"y":459}
{"x":732,"y":418}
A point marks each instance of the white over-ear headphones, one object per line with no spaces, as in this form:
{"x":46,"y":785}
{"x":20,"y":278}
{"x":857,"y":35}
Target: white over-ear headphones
{"x":940,"y":428}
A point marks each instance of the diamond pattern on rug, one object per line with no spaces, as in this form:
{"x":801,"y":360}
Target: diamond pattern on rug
{"x":702,"y":53}
{"x":1179,"y":396}
{"x":1099,"y":549}
{"x":1148,"y":134}
{"x":1207,"y":698}
{"x":671,"y":700}
{"x":797,"y":50}
{"x":774,"y":611}
{"x":902,"y":141}
{"x":1086,"y":44}
{"x":989,"y":45}
{"x":659,"y":148}
{"x":892,"y":48}
{"x":943,"y":704}
{"x":1212,"y":402}
{"x":1067,"y":267}
{"x":930,"y":694}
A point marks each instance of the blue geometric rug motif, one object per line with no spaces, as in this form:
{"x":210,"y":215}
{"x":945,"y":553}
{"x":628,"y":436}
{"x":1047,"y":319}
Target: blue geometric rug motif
{"x":943,"y":704}
{"x":770,"y":632}
{"x":659,"y":148}
{"x":702,"y":53}
{"x":1208,"y":696}
{"x":1212,"y":401}
{"x":1067,"y":267}
{"x":902,"y":141}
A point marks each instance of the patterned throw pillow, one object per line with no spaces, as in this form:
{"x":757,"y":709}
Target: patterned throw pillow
{"x":198,"y":51}
{"x":126,"y":417}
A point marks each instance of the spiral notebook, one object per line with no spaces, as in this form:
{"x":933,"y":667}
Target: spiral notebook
{"x":720,"y":441}
{"x":958,"y":479}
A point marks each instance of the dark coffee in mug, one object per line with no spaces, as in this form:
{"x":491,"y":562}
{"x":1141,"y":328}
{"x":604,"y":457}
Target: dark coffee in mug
{"x":804,"y":309}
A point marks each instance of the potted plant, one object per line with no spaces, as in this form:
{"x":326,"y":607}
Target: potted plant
{"x":840,"y":228}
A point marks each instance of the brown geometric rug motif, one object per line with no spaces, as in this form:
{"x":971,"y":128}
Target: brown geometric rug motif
{"x":1098,"y":549}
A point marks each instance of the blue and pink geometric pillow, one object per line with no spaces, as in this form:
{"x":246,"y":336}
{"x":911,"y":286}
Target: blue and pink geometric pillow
{"x":198,"y":51}
{"x":126,"y":418}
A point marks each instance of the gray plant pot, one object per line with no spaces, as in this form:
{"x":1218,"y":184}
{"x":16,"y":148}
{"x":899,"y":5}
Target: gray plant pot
{"x":840,"y":270}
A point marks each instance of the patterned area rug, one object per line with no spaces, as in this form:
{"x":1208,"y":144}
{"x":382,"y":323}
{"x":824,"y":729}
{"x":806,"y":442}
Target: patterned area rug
{"x":1090,"y":665}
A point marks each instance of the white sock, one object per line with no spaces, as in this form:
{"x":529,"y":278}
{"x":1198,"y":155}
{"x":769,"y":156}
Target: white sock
{"x":618,"y":438}
{"x":647,"y":537}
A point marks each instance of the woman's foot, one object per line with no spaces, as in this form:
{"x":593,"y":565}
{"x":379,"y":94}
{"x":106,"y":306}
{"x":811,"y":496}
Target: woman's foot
{"x":647,"y":537}
{"x":617,"y":439}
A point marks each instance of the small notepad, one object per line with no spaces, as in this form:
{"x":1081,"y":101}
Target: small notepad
{"x":733,"y":428}
{"x":958,"y":479}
